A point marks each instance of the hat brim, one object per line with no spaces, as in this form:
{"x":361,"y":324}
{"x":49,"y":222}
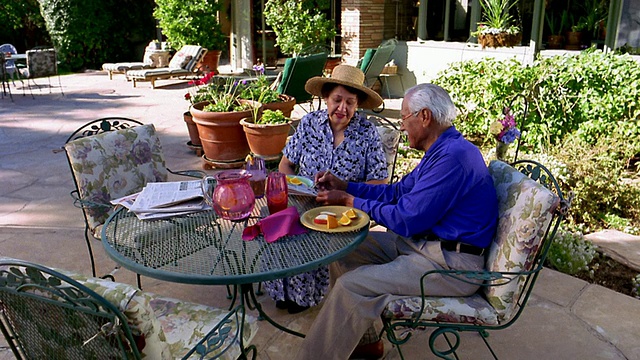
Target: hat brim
{"x":314,"y":87}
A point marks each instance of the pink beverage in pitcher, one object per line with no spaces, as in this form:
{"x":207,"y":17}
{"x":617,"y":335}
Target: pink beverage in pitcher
{"x":277,"y":192}
{"x":256,"y":167}
{"x":232,"y":196}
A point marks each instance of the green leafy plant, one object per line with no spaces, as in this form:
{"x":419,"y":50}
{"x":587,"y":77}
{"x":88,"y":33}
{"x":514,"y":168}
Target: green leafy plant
{"x":191,"y":22}
{"x":272,"y":117}
{"x":298,"y":24}
{"x":570,"y":252}
{"x":636,"y":286}
{"x":497,"y":17}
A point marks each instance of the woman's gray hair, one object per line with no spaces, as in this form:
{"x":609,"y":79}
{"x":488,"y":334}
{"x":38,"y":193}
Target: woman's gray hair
{"x":434,"y":98}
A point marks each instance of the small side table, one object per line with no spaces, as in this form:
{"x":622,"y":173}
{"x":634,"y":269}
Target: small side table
{"x":384,"y":81}
{"x":159,"y":58}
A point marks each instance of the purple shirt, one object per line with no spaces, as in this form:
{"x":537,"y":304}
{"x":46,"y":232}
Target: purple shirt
{"x":358,"y":158}
{"x":449,"y":194}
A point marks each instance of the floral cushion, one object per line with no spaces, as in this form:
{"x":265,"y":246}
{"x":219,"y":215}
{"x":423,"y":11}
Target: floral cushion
{"x":185,"y":324}
{"x":474,"y":310}
{"x":40,"y":62}
{"x":525,"y":209}
{"x":114,"y":164}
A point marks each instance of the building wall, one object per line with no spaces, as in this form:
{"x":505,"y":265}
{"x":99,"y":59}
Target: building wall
{"x":362,"y":27}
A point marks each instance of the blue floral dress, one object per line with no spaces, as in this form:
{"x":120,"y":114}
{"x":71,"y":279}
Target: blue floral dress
{"x":360,"y":157}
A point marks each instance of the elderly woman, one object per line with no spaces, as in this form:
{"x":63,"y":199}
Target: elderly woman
{"x":337,"y":139}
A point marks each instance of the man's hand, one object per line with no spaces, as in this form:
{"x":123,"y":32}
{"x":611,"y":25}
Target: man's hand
{"x":325,"y":180}
{"x":335,"y":197}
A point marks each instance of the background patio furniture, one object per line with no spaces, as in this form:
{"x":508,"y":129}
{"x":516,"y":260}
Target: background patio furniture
{"x":41,"y":62}
{"x":183,"y":63}
{"x":106,"y":168}
{"x":54,"y":314}
{"x":373,"y":62}
{"x":531,"y":207}
{"x":297,"y":71}
{"x":390,"y":136}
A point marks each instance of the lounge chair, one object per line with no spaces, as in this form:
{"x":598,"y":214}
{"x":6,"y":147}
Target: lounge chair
{"x":183,"y":63}
{"x":149,"y":60}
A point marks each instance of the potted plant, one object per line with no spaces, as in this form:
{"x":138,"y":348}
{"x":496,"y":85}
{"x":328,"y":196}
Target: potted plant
{"x":574,"y":35}
{"x":267,"y":134}
{"x":497,"y":29}
{"x":265,"y":93}
{"x":298,"y":24}
{"x":217,"y":111}
{"x":556,"y":25}
{"x":193,"y":22}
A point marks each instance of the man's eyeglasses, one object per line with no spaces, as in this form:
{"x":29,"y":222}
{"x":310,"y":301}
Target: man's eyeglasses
{"x":410,"y":115}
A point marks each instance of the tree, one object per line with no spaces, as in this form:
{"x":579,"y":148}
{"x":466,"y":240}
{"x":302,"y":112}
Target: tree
{"x":298,"y":24}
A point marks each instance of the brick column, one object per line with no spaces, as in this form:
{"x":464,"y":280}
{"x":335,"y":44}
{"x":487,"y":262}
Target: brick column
{"x":362,"y":27}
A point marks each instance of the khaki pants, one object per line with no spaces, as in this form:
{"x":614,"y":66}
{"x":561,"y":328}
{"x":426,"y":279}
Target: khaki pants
{"x":385,"y":267}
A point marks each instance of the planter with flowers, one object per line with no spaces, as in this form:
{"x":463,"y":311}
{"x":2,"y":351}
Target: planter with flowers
{"x":217,"y":111}
{"x":505,"y":132}
{"x":498,"y":29}
{"x":268,"y":134}
{"x":194,"y":142}
{"x":261,"y":90}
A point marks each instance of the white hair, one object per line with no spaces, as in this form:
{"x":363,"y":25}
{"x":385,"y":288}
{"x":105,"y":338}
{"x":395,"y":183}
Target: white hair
{"x":434,"y":98}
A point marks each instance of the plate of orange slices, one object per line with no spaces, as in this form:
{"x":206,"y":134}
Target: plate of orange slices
{"x":334,"y":219}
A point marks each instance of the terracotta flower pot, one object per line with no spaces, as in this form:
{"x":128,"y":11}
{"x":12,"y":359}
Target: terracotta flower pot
{"x":266,"y":140}
{"x":192,"y":128}
{"x":210,"y":61}
{"x":502,"y":39}
{"x":555,"y":41}
{"x":221,"y":134}
{"x":286,"y":105}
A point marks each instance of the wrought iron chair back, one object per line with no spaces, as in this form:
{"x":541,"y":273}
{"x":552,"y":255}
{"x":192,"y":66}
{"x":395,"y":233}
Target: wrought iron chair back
{"x":42,"y":62}
{"x":390,"y":136}
{"x":47,"y":315}
{"x":514,"y":262}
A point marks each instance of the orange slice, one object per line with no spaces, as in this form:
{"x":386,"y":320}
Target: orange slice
{"x":294,"y":181}
{"x":351,"y":214}
{"x":332,"y":223}
{"x":344,"y":220}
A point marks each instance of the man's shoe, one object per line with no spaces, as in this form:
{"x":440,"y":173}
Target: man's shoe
{"x":368,"y":351}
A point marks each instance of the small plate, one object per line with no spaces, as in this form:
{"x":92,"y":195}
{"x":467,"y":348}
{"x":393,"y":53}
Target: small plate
{"x":306,"y":188}
{"x":307,"y":219}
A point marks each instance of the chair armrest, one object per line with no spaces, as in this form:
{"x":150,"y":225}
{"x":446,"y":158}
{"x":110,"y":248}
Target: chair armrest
{"x":190,"y":173}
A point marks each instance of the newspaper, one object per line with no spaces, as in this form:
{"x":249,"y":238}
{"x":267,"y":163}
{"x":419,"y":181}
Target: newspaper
{"x":165,"y":199}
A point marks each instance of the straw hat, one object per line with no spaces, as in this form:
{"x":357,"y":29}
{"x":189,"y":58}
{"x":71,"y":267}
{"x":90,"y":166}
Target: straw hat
{"x":345,"y":75}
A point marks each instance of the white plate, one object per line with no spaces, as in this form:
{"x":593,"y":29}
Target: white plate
{"x":356,"y":224}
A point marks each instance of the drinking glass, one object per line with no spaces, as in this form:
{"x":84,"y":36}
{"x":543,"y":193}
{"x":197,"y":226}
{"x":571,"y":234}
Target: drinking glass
{"x":277,"y":192}
{"x":256,"y":167}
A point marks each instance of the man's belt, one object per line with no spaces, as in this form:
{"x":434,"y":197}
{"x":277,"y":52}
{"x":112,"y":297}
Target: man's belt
{"x":461,"y":247}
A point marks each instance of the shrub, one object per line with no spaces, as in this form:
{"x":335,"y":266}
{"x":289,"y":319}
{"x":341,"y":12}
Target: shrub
{"x":89,"y":33}
{"x":570,"y":252}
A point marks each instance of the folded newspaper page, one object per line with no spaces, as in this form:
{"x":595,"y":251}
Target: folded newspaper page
{"x":165,"y":199}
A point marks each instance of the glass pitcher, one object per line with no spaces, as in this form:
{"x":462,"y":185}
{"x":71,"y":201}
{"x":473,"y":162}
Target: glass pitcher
{"x":232,"y":197}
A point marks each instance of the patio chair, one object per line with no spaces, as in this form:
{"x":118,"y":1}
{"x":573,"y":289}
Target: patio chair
{"x":123,"y":67}
{"x":183,"y":63}
{"x":9,"y":65}
{"x":111,"y":158}
{"x":41,"y":62}
{"x":390,"y":136}
{"x":55,"y":314}
{"x":297,"y":71}
{"x":373,"y":63}
{"x":531,"y":207}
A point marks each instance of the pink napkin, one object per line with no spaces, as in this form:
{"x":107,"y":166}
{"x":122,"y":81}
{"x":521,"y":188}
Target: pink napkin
{"x":273,"y":227}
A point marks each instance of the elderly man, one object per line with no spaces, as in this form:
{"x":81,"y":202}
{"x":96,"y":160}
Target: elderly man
{"x":442,"y":215}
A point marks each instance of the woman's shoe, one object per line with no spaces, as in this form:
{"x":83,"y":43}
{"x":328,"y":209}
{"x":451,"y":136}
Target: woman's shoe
{"x":295,"y":308}
{"x":373,"y":350}
{"x":282,"y":304}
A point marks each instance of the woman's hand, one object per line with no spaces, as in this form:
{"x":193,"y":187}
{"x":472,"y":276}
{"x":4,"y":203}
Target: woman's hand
{"x":335,"y":197}
{"x":325,"y":180}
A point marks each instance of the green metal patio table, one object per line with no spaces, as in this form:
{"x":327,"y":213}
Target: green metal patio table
{"x":203,"y":248}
